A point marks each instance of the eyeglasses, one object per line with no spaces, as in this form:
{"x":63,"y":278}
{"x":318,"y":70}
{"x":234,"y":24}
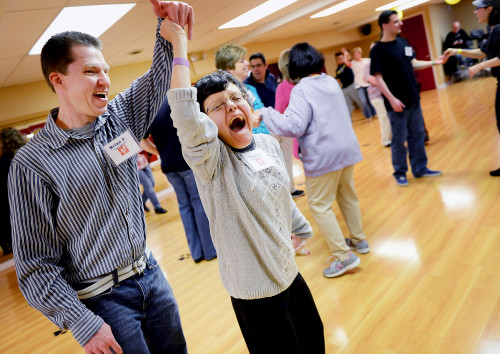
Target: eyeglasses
{"x":219,"y":105}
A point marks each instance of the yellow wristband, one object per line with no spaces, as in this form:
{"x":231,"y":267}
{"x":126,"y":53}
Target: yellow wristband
{"x":459,"y":50}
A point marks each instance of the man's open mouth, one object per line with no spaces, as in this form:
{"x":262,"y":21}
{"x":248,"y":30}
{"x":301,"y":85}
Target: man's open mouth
{"x":237,"y":123}
{"x":100,"y":94}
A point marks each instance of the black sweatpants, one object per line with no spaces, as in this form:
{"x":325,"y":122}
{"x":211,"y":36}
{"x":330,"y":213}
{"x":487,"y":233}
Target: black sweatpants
{"x":285,"y":323}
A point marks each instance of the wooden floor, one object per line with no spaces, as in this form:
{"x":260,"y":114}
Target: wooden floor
{"x":431,"y":283}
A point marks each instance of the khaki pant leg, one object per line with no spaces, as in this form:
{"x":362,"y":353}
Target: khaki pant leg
{"x":321,"y":193}
{"x":348,"y":202}
{"x":383,"y":119}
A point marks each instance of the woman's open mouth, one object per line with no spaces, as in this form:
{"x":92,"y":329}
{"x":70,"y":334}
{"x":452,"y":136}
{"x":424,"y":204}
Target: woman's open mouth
{"x":237,"y":123}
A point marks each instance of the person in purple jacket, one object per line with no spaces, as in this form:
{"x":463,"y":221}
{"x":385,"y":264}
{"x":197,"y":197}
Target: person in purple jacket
{"x":318,"y":117}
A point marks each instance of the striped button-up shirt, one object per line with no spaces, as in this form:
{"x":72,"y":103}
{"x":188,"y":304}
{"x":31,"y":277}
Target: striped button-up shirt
{"x":75,"y":215}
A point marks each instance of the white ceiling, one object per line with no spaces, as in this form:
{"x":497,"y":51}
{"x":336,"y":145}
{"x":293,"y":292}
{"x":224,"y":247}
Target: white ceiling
{"x":23,"y":21}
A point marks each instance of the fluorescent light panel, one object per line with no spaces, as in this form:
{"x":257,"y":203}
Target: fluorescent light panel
{"x":257,"y":13}
{"x":337,"y":8}
{"x":391,"y":5}
{"x":94,"y":20}
{"x":401,"y":5}
{"x":411,"y":4}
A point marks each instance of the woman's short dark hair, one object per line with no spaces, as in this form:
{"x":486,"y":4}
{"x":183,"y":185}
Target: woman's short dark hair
{"x":57,"y":52}
{"x":385,"y":17}
{"x":12,"y":140}
{"x":304,"y":61}
{"x":213,"y":83}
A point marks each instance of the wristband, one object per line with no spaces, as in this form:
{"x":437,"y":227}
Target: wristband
{"x":433,"y":63}
{"x":181,"y":61}
{"x":459,"y":51}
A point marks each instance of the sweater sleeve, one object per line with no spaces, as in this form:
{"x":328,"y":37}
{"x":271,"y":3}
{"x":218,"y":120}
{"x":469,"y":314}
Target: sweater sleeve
{"x":300,"y":225}
{"x":198,"y":135}
{"x":294,"y":122}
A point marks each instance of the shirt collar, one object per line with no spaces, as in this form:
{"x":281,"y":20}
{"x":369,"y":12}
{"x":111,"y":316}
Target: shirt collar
{"x":57,"y":137}
{"x":245,"y":149}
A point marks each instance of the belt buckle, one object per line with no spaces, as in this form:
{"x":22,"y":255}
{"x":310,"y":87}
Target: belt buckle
{"x":139,"y":265}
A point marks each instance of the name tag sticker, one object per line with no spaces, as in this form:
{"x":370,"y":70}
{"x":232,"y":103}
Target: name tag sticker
{"x":258,"y":160}
{"x":122,"y":148}
{"x":408,"y":51}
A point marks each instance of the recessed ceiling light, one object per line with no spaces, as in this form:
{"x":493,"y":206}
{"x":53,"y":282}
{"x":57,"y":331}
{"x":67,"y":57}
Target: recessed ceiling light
{"x":411,"y":4}
{"x":337,"y":8}
{"x":401,"y":5}
{"x":94,"y":20}
{"x":257,"y":13}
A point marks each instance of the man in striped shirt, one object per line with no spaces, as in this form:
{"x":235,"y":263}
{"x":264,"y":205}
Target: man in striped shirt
{"x":79,"y":233}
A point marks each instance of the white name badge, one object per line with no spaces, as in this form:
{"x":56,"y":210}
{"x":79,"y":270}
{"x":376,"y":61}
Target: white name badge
{"x":408,"y":51}
{"x":122,"y":148}
{"x":258,"y":160}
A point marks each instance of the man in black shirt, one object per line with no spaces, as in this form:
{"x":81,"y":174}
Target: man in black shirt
{"x":345,"y":77}
{"x":457,"y":38}
{"x":392,"y":64}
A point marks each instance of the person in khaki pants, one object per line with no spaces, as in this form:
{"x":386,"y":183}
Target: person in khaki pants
{"x":318,"y":117}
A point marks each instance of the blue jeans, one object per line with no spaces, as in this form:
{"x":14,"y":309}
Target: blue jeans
{"x":193,"y":215}
{"x":368,"y":109}
{"x":148,"y":182}
{"x":142,"y":313}
{"x":408,"y":126}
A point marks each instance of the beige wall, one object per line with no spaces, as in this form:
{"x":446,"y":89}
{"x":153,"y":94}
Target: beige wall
{"x":23,"y":105}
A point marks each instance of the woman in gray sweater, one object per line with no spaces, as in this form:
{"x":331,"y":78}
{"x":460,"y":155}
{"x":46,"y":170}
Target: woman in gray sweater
{"x":244,"y":187}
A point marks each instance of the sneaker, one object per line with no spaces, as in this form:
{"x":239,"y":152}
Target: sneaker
{"x":298,"y":193}
{"x":401,"y":181}
{"x":360,"y":247}
{"x":145,"y":207}
{"x":429,"y":173}
{"x":337,"y":267}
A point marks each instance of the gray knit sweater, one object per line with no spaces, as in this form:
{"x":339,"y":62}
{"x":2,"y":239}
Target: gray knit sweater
{"x":251,"y":214}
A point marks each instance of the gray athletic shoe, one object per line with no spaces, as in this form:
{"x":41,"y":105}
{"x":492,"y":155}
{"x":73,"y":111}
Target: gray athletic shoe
{"x":337,"y":267}
{"x":360,"y":247}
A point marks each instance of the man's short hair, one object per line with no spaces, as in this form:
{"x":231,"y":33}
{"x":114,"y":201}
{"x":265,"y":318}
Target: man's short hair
{"x":338,"y":54}
{"x":215,"y":82}
{"x":304,"y":61}
{"x":258,"y":55}
{"x":228,"y":55}
{"x":385,"y":17}
{"x":57,"y":52}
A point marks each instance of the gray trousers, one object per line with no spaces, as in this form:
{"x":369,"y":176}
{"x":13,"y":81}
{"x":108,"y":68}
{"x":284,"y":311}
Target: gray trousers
{"x":351,"y":95}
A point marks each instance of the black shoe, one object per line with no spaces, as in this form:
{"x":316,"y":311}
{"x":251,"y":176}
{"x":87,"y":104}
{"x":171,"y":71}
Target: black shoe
{"x":495,"y":173}
{"x":298,"y":193}
{"x":160,"y":211}
{"x":145,"y":207}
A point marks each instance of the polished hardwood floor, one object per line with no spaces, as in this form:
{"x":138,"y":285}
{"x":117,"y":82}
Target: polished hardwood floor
{"x":431,"y":283}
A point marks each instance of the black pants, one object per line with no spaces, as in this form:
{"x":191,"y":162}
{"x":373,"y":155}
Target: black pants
{"x":285,"y":323}
{"x":497,"y":104}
